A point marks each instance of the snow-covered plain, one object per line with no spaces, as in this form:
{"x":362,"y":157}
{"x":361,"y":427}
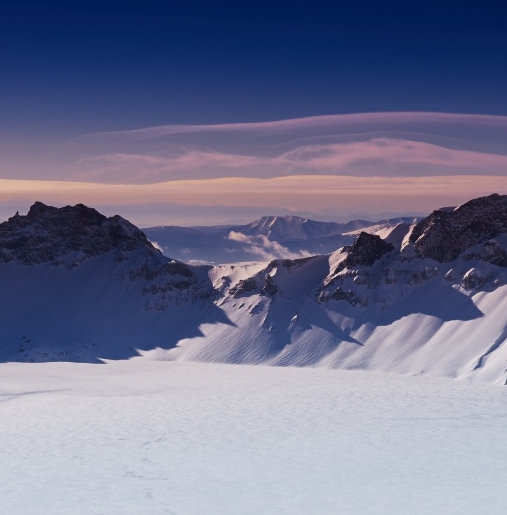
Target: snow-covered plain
{"x":147,"y":437}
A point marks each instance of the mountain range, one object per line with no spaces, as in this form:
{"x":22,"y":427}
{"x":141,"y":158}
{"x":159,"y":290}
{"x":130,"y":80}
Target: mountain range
{"x":269,"y":237}
{"x":427,"y":298}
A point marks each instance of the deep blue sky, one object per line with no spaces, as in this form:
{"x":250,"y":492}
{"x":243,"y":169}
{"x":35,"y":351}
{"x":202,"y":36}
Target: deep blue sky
{"x":67,"y":68}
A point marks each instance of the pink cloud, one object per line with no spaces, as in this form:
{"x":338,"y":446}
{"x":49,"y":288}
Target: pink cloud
{"x":386,"y":121}
{"x":401,"y":162}
{"x":357,"y":144}
{"x":375,"y":157}
{"x":354,"y":144}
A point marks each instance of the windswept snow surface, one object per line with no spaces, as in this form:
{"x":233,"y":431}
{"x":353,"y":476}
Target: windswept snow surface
{"x":140,"y":437}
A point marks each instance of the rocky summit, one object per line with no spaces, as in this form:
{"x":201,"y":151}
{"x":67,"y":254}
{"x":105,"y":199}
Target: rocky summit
{"x":444,"y":234}
{"x":50,"y":234}
{"x":365,"y":250}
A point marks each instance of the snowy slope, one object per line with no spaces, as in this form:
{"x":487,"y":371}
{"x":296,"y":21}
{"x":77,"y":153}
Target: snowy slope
{"x":433,"y":300}
{"x":411,"y":320}
{"x":401,"y":312}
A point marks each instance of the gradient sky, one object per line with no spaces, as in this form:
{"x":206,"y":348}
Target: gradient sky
{"x":98,"y":65}
{"x":68,"y":69}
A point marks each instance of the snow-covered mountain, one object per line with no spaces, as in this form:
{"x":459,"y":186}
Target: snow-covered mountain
{"x":76,"y":285}
{"x":432,"y":299}
{"x":288,"y":228}
{"x":269,"y":237}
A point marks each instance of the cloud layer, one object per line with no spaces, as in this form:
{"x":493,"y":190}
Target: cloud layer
{"x":379,"y":144}
{"x":338,"y":194}
{"x":357,"y":144}
{"x":264,"y":248}
{"x":376,"y":157}
{"x":396,"y":162}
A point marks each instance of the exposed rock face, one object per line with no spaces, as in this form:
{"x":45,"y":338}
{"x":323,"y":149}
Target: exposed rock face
{"x":366,"y":249}
{"x":476,"y":231}
{"x":347,"y":282}
{"x":350,"y":285}
{"x":269,"y":288}
{"x":73,"y":234}
{"x":444,"y":235}
{"x":491,"y":253}
{"x":47,"y":234}
{"x":474,"y":279}
{"x":421,"y":276}
{"x":349,"y":296}
{"x":243,"y":287}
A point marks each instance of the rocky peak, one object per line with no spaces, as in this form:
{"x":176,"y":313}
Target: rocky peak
{"x":366,"y":249}
{"x":48,"y":234}
{"x":445,"y":234}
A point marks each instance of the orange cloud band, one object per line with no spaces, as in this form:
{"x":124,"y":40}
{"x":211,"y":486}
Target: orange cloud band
{"x":407,"y":194}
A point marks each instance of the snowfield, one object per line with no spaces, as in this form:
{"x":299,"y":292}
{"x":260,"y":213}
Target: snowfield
{"x":148,"y":437}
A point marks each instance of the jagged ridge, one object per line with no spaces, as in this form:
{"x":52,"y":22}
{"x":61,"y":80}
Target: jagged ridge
{"x":47,"y":234}
{"x":445,"y":234}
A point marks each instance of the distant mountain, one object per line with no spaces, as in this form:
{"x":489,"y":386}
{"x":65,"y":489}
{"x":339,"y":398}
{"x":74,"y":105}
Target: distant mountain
{"x":270,"y":237}
{"x":430,"y":298}
{"x":290,"y":228}
{"x":293,"y":228}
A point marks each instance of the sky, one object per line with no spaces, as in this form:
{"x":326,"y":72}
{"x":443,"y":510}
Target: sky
{"x":383,"y":93}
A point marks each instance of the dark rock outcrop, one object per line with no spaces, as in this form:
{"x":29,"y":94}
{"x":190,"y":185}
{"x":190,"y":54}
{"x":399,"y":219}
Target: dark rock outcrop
{"x":474,"y":280}
{"x":444,"y":234}
{"x":366,"y":249}
{"x":47,"y":234}
{"x":243,"y":287}
{"x":491,"y":252}
{"x":269,"y":287}
{"x":349,"y":296}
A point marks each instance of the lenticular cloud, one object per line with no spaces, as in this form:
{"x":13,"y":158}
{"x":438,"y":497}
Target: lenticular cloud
{"x":362,"y":145}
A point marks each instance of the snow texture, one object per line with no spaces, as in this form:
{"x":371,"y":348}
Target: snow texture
{"x":159,"y":438}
